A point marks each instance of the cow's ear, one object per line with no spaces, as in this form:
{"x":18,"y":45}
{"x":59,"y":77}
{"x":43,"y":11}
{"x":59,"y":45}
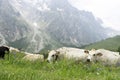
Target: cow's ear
{"x":93,"y":49}
{"x":57,"y":52}
{"x":99,"y":54}
{"x":86,"y":51}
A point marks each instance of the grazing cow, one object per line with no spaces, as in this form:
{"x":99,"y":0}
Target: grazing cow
{"x":3,"y":51}
{"x":103,"y":56}
{"x":67,"y":53}
{"x":33,"y":57}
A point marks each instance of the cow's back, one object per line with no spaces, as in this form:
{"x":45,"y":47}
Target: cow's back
{"x":72,"y":53}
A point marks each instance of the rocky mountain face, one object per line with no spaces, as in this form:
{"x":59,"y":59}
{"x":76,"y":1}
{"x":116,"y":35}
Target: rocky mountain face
{"x":12,"y":25}
{"x":37,"y":24}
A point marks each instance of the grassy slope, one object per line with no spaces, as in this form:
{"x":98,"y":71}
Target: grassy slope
{"x":18,"y":69}
{"x":110,"y":44}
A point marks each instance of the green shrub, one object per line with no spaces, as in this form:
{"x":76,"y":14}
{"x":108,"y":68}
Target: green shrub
{"x":119,"y":49}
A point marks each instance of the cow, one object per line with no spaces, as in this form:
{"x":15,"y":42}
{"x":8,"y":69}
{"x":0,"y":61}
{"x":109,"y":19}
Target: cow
{"x":3,"y":51}
{"x":67,"y":53}
{"x":14,"y":50}
{"x":118,"y":62}
{"x":33,"y":57}
{"x":103,"y":56}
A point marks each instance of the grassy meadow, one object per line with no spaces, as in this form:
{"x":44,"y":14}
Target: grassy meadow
{"x":110,"y":44}
{"x":14,"y":68}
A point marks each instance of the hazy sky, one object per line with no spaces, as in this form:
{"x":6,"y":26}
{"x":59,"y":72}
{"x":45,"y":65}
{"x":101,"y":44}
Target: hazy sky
{"x":107,"y":10}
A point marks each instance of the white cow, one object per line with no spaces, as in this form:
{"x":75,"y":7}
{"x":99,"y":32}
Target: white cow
{"x":33,"y":57}
{"x":26,"y":53}
{"x":67,"y":53}
{"x":12,"y":49}
{"x":103,"y":56}
{"x":118,"y":62}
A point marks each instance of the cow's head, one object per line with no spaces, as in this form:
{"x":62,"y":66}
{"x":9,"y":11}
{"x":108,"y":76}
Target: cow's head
{"x":4,"y":50}
{"x":53,"y":56}
{"x":90,"y":55}
{"x":94,"y":56}
{"x":97,"y":56}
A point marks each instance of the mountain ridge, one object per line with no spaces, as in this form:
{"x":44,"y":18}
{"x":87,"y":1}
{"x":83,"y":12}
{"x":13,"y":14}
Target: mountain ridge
{"x":35,"y":25}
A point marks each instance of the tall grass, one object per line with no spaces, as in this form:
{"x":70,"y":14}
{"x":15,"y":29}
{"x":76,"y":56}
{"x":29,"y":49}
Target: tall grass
{"x":15,"y":68}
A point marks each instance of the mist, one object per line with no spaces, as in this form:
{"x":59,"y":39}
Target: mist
{"x":107,"y":10}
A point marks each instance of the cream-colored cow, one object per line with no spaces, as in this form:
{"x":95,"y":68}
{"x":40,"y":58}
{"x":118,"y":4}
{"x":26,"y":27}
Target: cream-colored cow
{"x":33,"y":57}
{"x":68,"y":53}
{"x":12,"y":49}
{"x":103,"y":56}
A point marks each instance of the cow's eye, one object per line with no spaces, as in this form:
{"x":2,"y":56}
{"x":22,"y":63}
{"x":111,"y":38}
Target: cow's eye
{"x":53,"y":55}
{"x":93,"y":54}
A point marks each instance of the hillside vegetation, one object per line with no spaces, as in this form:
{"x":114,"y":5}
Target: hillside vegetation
{"x":110,"y":44}
{"x":15,"y":68}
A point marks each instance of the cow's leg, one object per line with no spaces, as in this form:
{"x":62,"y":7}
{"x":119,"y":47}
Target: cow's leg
{"x":3,"y":55}
{"x":0,"y":56}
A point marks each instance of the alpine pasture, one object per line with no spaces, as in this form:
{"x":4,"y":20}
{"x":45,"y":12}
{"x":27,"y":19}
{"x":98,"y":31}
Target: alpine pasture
{"x":15,"y":68}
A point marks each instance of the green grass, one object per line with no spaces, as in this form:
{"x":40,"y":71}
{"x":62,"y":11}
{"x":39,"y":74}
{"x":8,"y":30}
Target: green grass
{"x":110,"y":44}
{"x":15,"y":68}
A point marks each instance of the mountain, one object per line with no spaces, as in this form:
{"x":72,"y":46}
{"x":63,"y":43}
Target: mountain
{"x":110,"y":44}
{"x":17,"y":31}
{"x":12,"y":26}
{"x":37,"y":24}
{"x":110,"y":32}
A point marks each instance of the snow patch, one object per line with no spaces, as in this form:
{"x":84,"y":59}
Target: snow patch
{"x":44,"y":7}
{"x":40,"y":9}
{"x":19,"y":1}
{"x":31,"y":1}
{"x":58,"y":9}
{"x":36,"y":25}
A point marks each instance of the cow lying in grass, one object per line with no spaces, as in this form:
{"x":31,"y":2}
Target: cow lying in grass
{"x":33,"y":57}
{"x":12,"y":49}
{"x":67,"y":53}
{"x":3,"y":51}
{"x":103,"y":56}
